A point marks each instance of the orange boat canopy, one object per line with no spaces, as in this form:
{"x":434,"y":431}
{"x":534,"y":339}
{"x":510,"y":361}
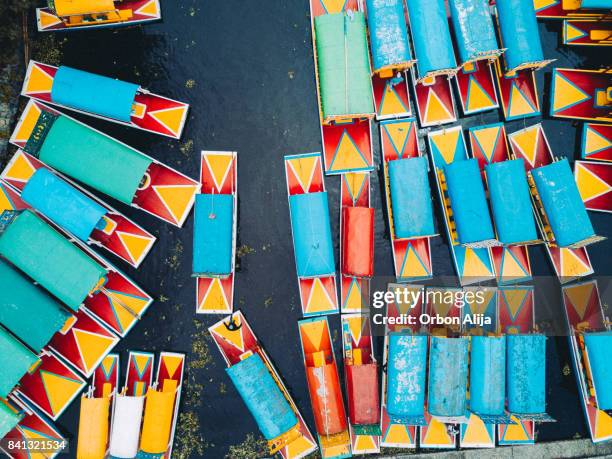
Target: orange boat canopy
{"x":93,"y":428}
{"x":77,"y":7}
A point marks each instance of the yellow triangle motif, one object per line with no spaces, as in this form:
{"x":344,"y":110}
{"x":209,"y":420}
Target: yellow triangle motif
{"x":20,"y":169}
{"x":171,"y":118}
{"x":413,"y":266}
{"x":476,"y":432}
{"x":527,"y":142}
{"x":514,"y":299}
{"x":38,"y":81}
{"x":487,"y":140}
{"x":512,"y":268}
{"x":446,"y":144}
{"x":5,"y":203}
{"x":59,"y":389}
{"x":333,"y":6}
{"x":437,"y":434}
{"x":519,"y":104}
{"x":319,"y":300}
{"x":233,"y":337}
{"x":141,"y":360}
{"x":314,"y":332}
{"x":540,"y":4}
{"x":135,"y":245}
{"x":473,"y":265}
{"x":572,"y":32}
{"x":515,"y":432}
{"x":215,"y":299}
{"x":347,"y":155}
{"x":303,"y":168}
{"x":579,"y":296}
{"x":566,"y":93}
{"x":48,"y":20}
{"x":398,"y":133}
{"x":355,"y":181}
{"x":435,"y":111}
{"x":107,"y":363}
{"x":477,"y":97}
{"x":603,"y":425}
{"x":391,"y":103}
{"x":364,"y":443}
{"x":356,"y":325}
{"x":571,"y":265}
{"x":149,"y":9}
{"x":124,"y":315}
{"x":177,"y":198}
{"x":27,"y":124}
{"x":589,"y":185}
{"x":92,"y":346}
{"x":219,"y":166}
{"x":297,"y":447}
{"x":595,"y":141}
{"x":397,"y":434}
{"x":172,"y":364}
{"x":354,"y":300}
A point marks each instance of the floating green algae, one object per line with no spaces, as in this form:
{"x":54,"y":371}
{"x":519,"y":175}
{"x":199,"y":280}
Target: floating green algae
{"x":250,"y":448}
{"x":189,"y":440}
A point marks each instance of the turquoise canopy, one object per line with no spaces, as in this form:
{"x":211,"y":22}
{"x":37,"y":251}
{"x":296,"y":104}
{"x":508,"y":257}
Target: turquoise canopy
{"x":15,"y":361}
{"x":30,"y":314}
{"x":93,"y":93}
{"x":448,"y":376}
{"x":8,"y":418}
{"x":213,"y":235}
{"x":50,"y":259}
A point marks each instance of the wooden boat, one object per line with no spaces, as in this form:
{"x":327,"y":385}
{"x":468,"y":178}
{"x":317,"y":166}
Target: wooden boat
{"x":52,"y":388}
{"x":161,"y":410}
{"x":596,"y":142}
{"x":313,"y":246}
{"x":391,"y":57}
{"x":441,"y":429}
{"x":214,"y":236}
{"x":129,"y":405}
{"x":585,"y":32}
{"x":594,"y":181}
{"x":108,"y":165}
{"x":67,"y":205}
{"x":105,"y":98}
{"x":516,"y":316}
{"x":487,"y":370}
{"x":589,"y":331}
{"x":473,"y":264}
{"x":23,"y":423}
{"x":118,"y":303}
{"x":89,"y":14}
{"x":324,"y":388}
{"x":356,"y":241}
{"x":559,"y":9}
{"x":581,"y":94}
{"x":361,"y":383}
{"x":345,"y":115}
{"x":254,"y":375}
{"x":489,"y":145}
{"x":532,"y":146}
{"x":400,"y":421}
{"x":411,"y":245}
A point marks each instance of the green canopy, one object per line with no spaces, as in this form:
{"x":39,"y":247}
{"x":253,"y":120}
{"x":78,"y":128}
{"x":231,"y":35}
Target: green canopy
{"x":49,"y":259}
{"x":8,"y":419}
{"x":15,"y":361}
{"x":344,"y":65}
{"x":28,"y":312}
{"x":94,"y":159}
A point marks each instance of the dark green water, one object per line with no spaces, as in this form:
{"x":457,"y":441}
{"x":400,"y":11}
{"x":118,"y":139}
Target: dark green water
{"x":246,"y":69}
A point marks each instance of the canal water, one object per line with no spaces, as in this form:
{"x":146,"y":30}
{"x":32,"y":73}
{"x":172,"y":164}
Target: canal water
{"x":246,"y":69}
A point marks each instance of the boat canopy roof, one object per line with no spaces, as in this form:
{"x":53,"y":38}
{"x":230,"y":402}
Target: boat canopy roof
{"x":343,"y":64}
{"x":388,"y":33}
{"x":473,"y":27}
{"x":411,"y":198}
{"x":74,"y":7}
{"x":93,"y":93}
{"x":15,"y":361}
{"x":9,"y":418}
{"x":526,"y":373}
{"x":488,"y":374}
{"x":598,"y":347}
{"x":448,"y":376}
{"x":358,"y":241}
{"x":27,"y":311}
{"x":125,"y":431}
{"x":93,"y":158}
{"x":312,"y":239}
{"x":519,"y":33}
{"x":93,"y":427}
{"x":213,"y":234}
{"x":50,"y":259}
{"x":468,"y":201}
{"x":63,"y":204}
{"x":511,"y":202}
{"x":431,"y":36}
{"x":562,"y":203}
{"x":596,"y":4}
{"x":262,"y":396}
{"x":407,"y":368}
{"x":157,"y":420}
